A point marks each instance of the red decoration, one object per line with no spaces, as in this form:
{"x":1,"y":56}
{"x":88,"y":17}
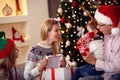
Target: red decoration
{"x":83,"y":42}
{"x":53,"y":73}
{"x":74,"y":4}
{"x":16,"y":35}
{"x":62,"y":20}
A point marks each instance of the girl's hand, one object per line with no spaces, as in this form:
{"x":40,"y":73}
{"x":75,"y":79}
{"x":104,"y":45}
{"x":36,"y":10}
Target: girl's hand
{"x":89,"y":58}
{"x":62,"y":62}
{"x":81,"y":51}
{"x":43,"y":64}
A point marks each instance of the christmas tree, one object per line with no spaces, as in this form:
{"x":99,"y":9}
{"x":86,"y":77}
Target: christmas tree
{"x":73,"y":16}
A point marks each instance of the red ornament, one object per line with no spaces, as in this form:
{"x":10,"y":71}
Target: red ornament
{"x":62,"y":20}
{"x":74,"y":4}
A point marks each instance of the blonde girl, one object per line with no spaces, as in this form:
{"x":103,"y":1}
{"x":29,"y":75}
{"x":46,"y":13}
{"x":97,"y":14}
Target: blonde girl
{"x":49,"y":44}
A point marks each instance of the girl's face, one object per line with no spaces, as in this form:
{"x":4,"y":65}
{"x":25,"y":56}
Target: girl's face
{"x":105,"y":29}
{"x":88,"y":28}
{"x":92,"y":30}
{"x":55,"y":34}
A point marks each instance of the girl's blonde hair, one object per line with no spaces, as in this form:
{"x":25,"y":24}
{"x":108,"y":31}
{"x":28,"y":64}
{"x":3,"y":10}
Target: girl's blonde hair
{"x":46,"y":27}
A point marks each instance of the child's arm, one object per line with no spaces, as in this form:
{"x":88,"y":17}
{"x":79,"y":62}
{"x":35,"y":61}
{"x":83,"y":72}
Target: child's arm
{"x":83,"y":42}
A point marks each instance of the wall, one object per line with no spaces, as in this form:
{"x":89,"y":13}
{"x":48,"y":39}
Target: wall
{"x":37,"y":12}
{"x":53,"y":6}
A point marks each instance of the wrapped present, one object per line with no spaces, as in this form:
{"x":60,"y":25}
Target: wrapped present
{"x":58,"y":73}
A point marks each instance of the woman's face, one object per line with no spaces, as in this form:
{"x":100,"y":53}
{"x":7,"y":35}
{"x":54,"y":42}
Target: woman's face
{"x":105,"y":29}
{"x":55,"y":34}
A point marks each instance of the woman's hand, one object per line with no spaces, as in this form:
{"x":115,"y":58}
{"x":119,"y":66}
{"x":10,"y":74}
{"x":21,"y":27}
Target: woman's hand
{"x":89,"y":58}
{"x":43,"y":64}
{"x":62,"y":62}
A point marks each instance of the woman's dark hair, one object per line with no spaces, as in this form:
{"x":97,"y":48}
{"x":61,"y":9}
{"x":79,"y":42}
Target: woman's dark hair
{"x":8,"y":65}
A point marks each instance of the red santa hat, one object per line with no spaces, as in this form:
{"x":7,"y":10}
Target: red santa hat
{"x":109,"y":14}
{"x":6,"y":45}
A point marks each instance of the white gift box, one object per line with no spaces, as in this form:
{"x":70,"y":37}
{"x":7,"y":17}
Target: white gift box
{"x":58,"y":73}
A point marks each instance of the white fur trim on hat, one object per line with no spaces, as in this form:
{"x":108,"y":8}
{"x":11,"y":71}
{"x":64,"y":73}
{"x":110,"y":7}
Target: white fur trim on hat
{"x":102,"y":18}
{"x":115,"y":31}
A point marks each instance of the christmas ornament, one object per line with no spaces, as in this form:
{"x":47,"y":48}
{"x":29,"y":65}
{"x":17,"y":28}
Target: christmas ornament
{"x":62,"y":20}
{"x":80,"y":31}
{"x":70,"y":0}
{"x":85,"y":13}
{"x":68,"y":25}
{"x":61,"y":0}
{"x":73,"y":15}
{"x":67,"y":43}
{"x":67,"y":58}
{"x":16,"y":35}
{"x":7,"y":10}
{"x":60,"y":11}
{"x":68,"y":62}
{"x":74,"y":4}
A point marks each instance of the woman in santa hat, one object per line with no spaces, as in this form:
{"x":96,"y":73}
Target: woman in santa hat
{"x":108,"y":18}
{"x":8,"y":55}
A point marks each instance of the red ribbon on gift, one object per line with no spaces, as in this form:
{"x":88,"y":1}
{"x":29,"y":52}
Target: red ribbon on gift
{"x":41,"y":77}
{"x":41,"y":74}
{"x":71,"y":70}
{"x":52,"y":74}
